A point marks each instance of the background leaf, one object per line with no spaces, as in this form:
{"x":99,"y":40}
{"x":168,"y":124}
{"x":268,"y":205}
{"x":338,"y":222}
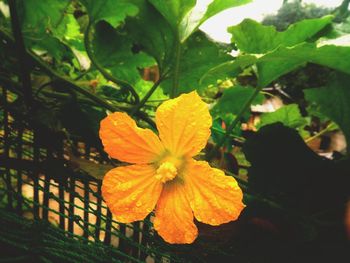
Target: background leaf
{"x":233,"y":100}
{"x":289,"y":115}
{"x":333,"y":101}
{"x":253,"y":37}
{"x":283,"y":60}
{"x":112,"y":11}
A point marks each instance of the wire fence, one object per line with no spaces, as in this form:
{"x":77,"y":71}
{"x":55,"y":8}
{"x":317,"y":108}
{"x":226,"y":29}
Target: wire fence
{"x":51,"y":203}
{"x":38,"y":183}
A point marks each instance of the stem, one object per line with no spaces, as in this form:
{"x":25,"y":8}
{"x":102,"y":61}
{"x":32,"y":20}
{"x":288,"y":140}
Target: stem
{"x":234,"y":123}
{"x":173,"y":92}
{"x":147,"y":96}
{"x":65,"y":81}
{"x":21,"y":53}
{"x":320,"y":133}
{"x":105,"y":73}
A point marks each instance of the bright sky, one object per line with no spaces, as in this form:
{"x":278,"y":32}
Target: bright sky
{"x":217,"y":25}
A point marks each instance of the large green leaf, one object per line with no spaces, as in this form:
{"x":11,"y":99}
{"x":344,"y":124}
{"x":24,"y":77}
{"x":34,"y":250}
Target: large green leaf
{"x":199,"y":54}
{"x":114,"y":52}
{"x":186,"y":16}
{"x":39,"y":22}
{"x":233,"y":99}
{"x":283,"y":60}
{"x":253,"y":37}
{"x":229,"y":69}
{"x":152,"y":33}
{"x":112,"y":11}
{"x":173,"y":10}
{"x":333,"y":101}
{"x":289,"y":115}
{"x":218,"y":6}
{"x":199,"y":14}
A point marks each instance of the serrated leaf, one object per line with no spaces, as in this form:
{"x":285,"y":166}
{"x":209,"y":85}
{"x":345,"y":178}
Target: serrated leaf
{"x":283,"y":60}
{"x":253,"y":37}
{"x":199,"y":54}
{"x":333,"y":101}
{"x":234,"y":98}
{"x":289,"y":115}
{"x":112,"y":11}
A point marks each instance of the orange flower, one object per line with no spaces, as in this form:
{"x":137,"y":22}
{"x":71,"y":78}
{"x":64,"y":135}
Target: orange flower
{"x":163,"y":173}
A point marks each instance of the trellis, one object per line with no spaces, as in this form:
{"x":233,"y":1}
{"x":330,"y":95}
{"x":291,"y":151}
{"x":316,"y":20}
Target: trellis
{"x":34,"y":159}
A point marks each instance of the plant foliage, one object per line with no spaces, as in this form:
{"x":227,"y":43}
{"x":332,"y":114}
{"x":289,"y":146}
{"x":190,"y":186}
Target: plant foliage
{"x":86,"y":58}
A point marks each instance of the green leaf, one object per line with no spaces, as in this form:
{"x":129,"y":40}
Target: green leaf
{"x":233,"y":100}
{"x":186,"y":16}
{"x":114,"y":52}
{"x":112,"y":11}
{"x":252,"y":37}
{"x":289,"y":115}
{"x":333,"y":101}
{"x":218,"y":6}
{"x":39,"y":16}
{"x":152,"y":33}
{"x":199,"y":54}
{"x":199,"y":14}
{"x":173,"y":10}
{"x":283,"y":60}
{"x":230,"y":68}
{"x":143,"y":86}
{"x":39,"y":22}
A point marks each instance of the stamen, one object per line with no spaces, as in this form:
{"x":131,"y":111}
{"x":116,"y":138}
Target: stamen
{"x":166,"y":172}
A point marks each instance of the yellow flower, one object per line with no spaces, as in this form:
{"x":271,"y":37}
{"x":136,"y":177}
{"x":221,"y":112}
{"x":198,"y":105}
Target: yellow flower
{"x":163,"y":173}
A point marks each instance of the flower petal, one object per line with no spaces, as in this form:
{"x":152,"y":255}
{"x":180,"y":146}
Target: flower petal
{"x":131,"y":192}
{"x":123,"y":140}
{"x":184,"y":124}
{"x":174,"y":217}
{"x":214,"y":197}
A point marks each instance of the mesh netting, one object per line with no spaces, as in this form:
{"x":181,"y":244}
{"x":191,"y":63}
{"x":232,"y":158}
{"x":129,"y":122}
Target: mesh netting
{"x":39,"y":185}
{"x":51,"y":205}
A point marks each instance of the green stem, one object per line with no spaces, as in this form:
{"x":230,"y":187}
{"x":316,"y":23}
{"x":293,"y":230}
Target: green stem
{"x":233,"y":124}
{"x":176,"y":71}
{"x":320,"y":133}
{"x":105,"y":73}
{"x":70,"y":84}
{"x":147,"y":96}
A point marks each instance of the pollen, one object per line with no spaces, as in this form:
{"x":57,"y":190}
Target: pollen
{"x":166,"y":172}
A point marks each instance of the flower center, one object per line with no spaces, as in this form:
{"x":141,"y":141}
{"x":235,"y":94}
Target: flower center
{"x":166,"y":172}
